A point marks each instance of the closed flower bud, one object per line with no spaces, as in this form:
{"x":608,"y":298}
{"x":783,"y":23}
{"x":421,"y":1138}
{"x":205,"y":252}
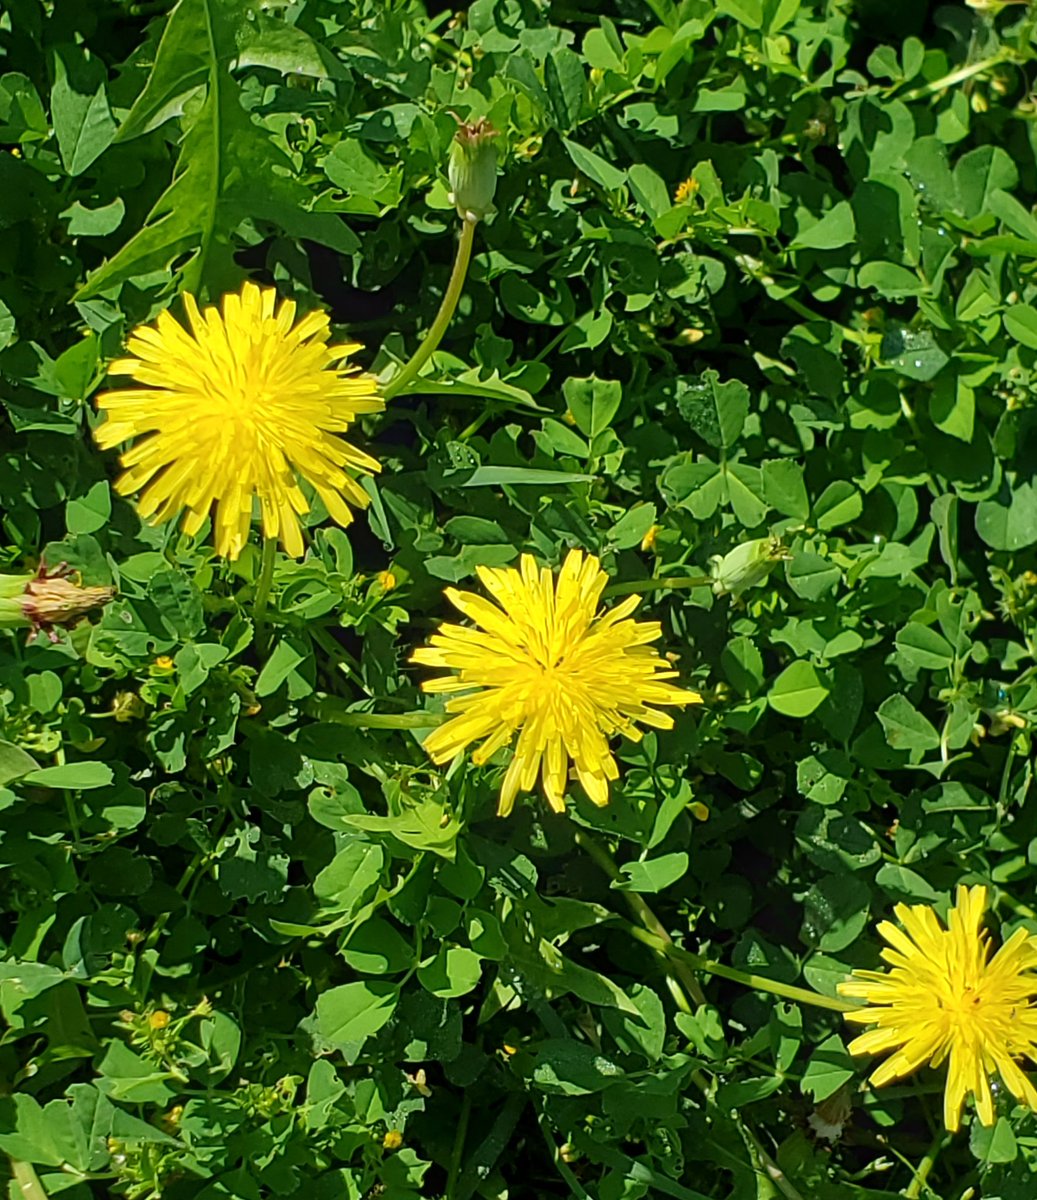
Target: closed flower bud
{"x":43,"y":601}
{"x":746,"y":565}
{"x":472,"y":169}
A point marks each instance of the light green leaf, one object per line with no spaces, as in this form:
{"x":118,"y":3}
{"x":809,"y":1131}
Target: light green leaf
{"x":906,"y":728}
{"x":593,"y":403}
{"x":797,"y":691}
{"x":351,"y":1013}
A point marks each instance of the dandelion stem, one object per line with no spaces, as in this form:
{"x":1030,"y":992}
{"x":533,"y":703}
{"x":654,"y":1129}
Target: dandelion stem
{"x":958,"y":76}
{"x":676,"y":971}
{"x":29,"y":1186}
{"x":914,"y":1188}
{"x":327,"y":710}
{"x":682,"y":983}
{"x":411,"y":369}
{"x":266,"y":578}
{"x":457,"y":1151}
{"x":632,"y":586}
{"x":758,"y":983}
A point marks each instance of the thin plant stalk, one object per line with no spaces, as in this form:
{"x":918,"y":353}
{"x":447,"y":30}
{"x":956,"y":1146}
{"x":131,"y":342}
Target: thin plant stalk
{"x":676,"y":583}
{"x":263,"y":584}
{"x":27,"y":1181}
{"x":412,"y":368}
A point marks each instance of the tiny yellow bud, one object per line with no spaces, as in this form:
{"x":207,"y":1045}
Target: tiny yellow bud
{"x":698,"y":810}
{"x":393,"y":1140}
{"x":689,"y":337}
{"x":164,"y":663}
{"x":509,"y":1050}
{"x":159,"y":1019}
{"x":387,"y":580}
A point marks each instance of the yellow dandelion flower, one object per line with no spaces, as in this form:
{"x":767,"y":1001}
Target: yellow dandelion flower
{"x":947,"y":999}
{"x":244,"y":403}
{"x":685,"y":190}
{"x":543,"y":663}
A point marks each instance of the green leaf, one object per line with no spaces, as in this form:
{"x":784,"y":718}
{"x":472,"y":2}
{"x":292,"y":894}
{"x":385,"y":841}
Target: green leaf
{"x":221,"y":152}
{"x":715,"y":410}
{"x":797,"y":691}
{"x":836,"y":228}
{"x":784,"y":487}
{"x":570,"y":1068}
{"x":980,"y":172}
{"x":351,"y":1013}
{"x":830,"y":1066}
{"x":839,"y":504}
{"x":835,"y":912}
{"x":83,"y":123}
{"x":522,"y":477}
{"x":993,"y":1144}
{"x":891,"y":280}
{"x":654,"y":874}
{"x":286,"y":657}
{"x":79,"y":776}
{"x":564,"y":81}
{"x":593,"y":403}
{"x":920,"y":646}
{"x":455,"y":971}
{"x":1009,"y":521}
{"x":14,"y":763}
{"x":1021,"y":323}
{"x":906,"y":728}
{"x":742,"y":663}
{"x":596,"y":168}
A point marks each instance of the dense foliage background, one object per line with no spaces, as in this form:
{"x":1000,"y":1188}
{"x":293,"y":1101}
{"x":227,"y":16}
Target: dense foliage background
{"x":252,"y":946}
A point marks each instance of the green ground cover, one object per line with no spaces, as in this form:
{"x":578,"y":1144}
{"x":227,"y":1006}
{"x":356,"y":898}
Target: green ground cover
{"x":749,"y":320}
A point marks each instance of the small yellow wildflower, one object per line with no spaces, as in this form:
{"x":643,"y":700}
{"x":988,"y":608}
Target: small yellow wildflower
{"x":159,"y":1019}
{"x":393,"y":1140}
{"x":164,"y":663}
{"x":246,"y":402}
{"x":685,"y":190}
{"x":946,"y":999}
{"x":543,"y":663}
{"x":386,"y":580}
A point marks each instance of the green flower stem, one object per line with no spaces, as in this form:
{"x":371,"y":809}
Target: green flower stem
{"x":262,"y":597}
{"x":674,"y":582}
{"x":329,"y":710}
{"x":682,"y":984}
{"x":677,"y":972}
{"x":958,"y":76}
{"x":758,"y":983}
{"x":914,"y":1188}
{"x":412,"y":368}
{"x":29,"y":1186}
{"x":457,"y":1151}
{"x":560,"y":1165}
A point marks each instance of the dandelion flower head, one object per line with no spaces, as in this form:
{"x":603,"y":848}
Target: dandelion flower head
{"x":244,"y":402}
{"x":542,"y":662}
{"x":946,"y":999}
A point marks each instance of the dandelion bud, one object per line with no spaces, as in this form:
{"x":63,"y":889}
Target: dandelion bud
{"x":47,"y":599}
{"x":746,"y":565}
{"x":472,"y":169}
